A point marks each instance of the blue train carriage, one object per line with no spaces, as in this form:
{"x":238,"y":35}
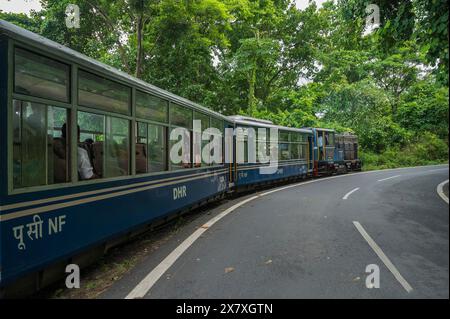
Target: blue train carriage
{"x":347,"y":152}
{"x":84,"y":157}
{"x":293,"y":149}
{"x":324,"y":151}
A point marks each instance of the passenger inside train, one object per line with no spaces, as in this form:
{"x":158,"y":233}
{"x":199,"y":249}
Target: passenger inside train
{"x":85,"y":167}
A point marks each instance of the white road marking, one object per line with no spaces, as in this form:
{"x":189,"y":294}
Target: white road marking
{"x":436,"y":170}
{"x":440,"y":191}
{"x":349,"y":193}
{"x":385,"y":179}
{"x":147,"y":283}
{"x":383,"y":257}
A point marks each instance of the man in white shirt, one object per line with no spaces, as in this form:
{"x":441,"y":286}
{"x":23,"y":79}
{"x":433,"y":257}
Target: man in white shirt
{"x":85,"y":168}
{"x":320,"y":141}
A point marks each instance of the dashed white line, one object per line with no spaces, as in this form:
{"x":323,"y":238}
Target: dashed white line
{"x":147,"y":283}
{"x":385,"y":179}
{"x":440,"y":191}
{"x":349,"y":193}
{"x":383,"y":257}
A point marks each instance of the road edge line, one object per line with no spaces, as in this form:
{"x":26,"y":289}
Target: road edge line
{"x":440,"y":190}
{"x":147,"y":283}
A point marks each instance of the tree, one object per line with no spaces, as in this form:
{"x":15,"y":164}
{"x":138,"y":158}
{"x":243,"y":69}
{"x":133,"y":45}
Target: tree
{"x":22,"y":20}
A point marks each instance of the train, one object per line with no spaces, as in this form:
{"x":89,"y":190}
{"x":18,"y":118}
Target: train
{"x":86,"y":163}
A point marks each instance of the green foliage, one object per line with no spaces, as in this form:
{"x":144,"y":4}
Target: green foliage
{"x":425,"y":107}
{"x":21,"y":20}
{"x":267,"y":59}
{"x":426,"y":150}
{"x":432,"y":34}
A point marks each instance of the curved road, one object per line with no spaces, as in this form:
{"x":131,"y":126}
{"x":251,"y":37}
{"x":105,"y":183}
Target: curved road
{"x":313,"y":240}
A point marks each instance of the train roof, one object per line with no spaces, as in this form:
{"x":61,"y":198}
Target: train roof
{"x":321,"y":129}
{"x":32,"y":39}
{"x":346,"y":134}
{"x":248,"y":118}
{"x":267,"y":124}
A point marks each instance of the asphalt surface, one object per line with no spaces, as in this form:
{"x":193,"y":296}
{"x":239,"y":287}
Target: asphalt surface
{"x":301,"y":242}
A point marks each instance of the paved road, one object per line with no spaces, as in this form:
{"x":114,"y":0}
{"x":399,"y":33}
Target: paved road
{"x":301,"y":242}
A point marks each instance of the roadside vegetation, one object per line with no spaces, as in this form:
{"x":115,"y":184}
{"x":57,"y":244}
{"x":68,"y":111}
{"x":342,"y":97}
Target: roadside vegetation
{"x":268,"y":59}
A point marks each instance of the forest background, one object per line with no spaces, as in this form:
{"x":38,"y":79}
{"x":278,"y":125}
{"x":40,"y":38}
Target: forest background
{"x":268,"y":59}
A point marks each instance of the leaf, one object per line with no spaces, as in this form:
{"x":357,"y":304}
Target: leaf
{"x":229,"y":269}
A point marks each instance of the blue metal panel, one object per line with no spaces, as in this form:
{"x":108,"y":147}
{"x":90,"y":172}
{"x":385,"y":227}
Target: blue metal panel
{"x":72,"y":225}
{"x":249,"y":174}
{"x":3,"y":132}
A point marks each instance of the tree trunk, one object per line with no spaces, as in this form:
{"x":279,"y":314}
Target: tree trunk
{"x":252,"y":82}
{"x":251,"y":91}
{"x":140,"y":53}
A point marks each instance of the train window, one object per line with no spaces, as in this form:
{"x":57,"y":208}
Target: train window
{"x":157,"y":148}
{"x":284,"y":152}
{"x":242,"y":139}
{"x":218,"y":124}
{"x":265,"y":145}
{"x":117,"y":147}
{"x":151,"y":148}
{"x":187,"y":146}
{"x":40,"y":145}
{"x":180,"y":116}
{"x":39,"y":76}
{"x":303,"y":151}
{"x":98,"y":92}
{"x":294,"y":147}
{"x":202,"y":160}
{"x":151,"y":107}
{"x":91,"y":147}
{"x":295,"y":137}
{"x":331,"y":138}
{"x":58,"y":150}
{"x":141,"y":157}
{"x":284,"y":136}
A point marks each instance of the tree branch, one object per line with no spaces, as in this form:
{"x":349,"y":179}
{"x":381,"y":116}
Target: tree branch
{"x":112,"y":27}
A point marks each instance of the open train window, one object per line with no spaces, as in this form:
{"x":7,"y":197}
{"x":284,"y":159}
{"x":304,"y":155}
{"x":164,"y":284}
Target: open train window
{"x":103,"y":146}
{"x":40,"y":145}
{"x":39,"y":76}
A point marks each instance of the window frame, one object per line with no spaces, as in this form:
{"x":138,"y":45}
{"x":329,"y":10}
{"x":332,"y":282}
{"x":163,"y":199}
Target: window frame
{"x":16,"y":47}
{"x":104,"y":77}
{"x":73,"y":107}
{"x":166,"y":136}
{"x":139,"y":118}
